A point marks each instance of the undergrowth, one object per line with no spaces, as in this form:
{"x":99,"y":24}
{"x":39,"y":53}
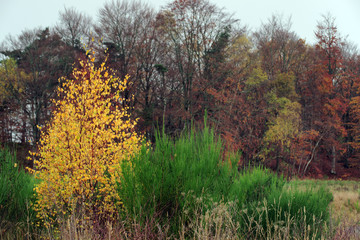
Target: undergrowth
{"x":184,"y":188}
{"x":183,"y":181}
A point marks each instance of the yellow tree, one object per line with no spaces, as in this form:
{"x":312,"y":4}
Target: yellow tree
{"x":82,"y":146}
{"x":284,"y":129}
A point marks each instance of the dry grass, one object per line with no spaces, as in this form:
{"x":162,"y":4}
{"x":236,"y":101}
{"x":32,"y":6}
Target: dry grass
{"x":345,"y":207}
{"x":217,"y":223}
{"x":346,"y":203}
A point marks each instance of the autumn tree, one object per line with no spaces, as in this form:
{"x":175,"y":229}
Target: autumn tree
{"x":228,"y":95}
{"x":150,"y":85}
{"x":330,"y":86}
{"x":279,"y":47}
{"x":329,"y":44}
{"x":347,"y":89}
{"x":253,"y":115}
{"x":353,"y":118}
{"x":123,"y":27}
{"x":191,"y":28}
{"x":283,"y":130}
{"x":210,"y":92}
{"x":44,"y":57}
{"x":80,"y":149}
{"x":12,"y":94}
{"x":13,"y":48}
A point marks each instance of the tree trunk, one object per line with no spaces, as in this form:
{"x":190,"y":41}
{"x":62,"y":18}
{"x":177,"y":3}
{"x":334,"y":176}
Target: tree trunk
{"x":333,"y":169}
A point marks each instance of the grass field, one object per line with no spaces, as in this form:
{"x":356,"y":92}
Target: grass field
{"x":344,"y":209}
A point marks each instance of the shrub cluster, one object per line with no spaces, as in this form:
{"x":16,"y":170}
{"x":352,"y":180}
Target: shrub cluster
{"x":188,"y":179}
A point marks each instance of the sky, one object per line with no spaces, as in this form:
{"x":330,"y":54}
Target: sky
{"x":19,"y":15}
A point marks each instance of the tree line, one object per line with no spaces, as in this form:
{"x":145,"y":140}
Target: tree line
{"x":280,"y":101}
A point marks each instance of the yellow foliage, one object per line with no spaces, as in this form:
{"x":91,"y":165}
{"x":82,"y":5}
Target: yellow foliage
{"x":257,"y":78}
{"x":12,"y":80}
{"x":284,"y":85}
{"x":286,"y":125}
{"x":239,"y":52}
{"x":81,"y":150}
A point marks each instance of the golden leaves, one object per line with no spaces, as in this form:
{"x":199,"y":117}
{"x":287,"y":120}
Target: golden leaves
{"x":79,"y":156}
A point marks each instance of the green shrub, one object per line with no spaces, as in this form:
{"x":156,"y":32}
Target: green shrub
{"x":254,"y":185}
{"x":16,"y":190}
{"x":158,"y":180}
{"x":178,"y":183}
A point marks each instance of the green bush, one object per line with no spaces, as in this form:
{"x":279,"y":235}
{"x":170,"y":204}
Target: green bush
{"x":16,"y":190}
{"x":180,"y":181}
{"x":254,"y":185}
{"x":158,"y":181}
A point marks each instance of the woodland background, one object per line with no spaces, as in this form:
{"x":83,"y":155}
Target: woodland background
{"x":279,"y":101}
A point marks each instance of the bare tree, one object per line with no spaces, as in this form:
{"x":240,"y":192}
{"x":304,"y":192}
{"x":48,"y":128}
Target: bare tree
{"x":191,"y":27}
{"x":121,"y":26}
{"x":20,"y":42}
{"x":134,"y":47}
{"x":279,"y":47}
{"x":74,"y":27}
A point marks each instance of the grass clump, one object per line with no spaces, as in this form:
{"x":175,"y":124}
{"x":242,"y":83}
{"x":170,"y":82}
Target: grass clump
{"x":16,"y":194}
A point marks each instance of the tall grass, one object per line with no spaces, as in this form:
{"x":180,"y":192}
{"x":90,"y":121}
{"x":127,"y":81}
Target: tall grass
{"x":16,"y":194}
